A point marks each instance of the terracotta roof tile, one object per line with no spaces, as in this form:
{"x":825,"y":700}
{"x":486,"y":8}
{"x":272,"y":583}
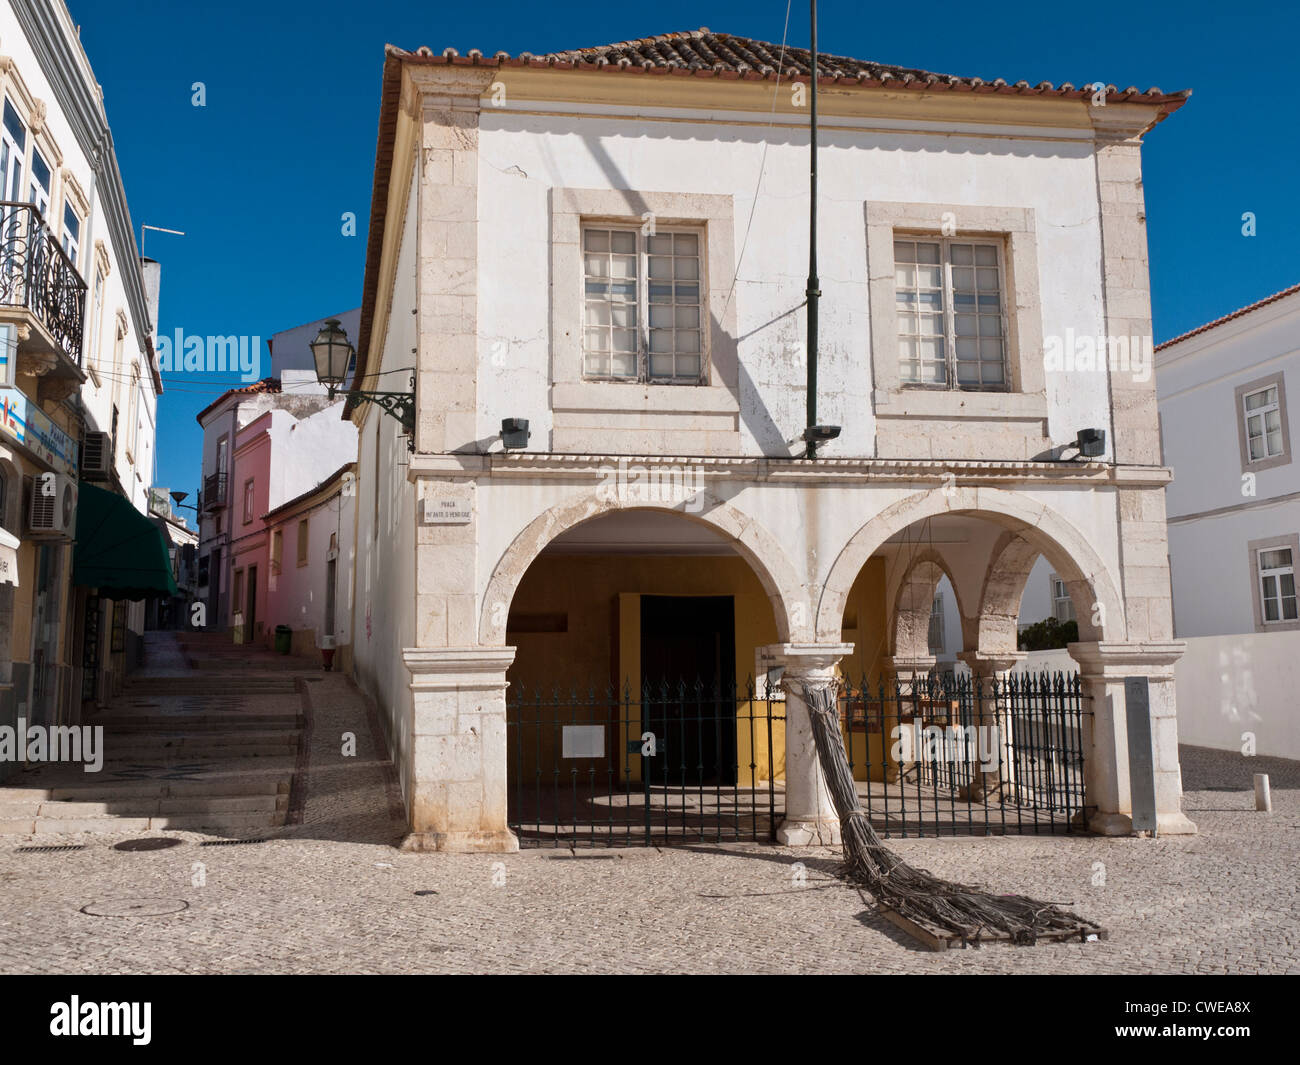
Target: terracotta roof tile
{"x":1229,"y":317}
{"x":266,"y":384}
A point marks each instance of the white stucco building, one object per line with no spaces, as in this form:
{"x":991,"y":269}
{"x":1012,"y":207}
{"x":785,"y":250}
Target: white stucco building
{"x":612,"y":245}
{"x":1234,"y":523}
{"x":78,"y":380}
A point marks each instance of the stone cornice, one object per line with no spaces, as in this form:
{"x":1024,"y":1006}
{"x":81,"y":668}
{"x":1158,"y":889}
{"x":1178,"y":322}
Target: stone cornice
{"x":535,"y":465}
{"x":1114,"y":661}
{"x":451,"y":668}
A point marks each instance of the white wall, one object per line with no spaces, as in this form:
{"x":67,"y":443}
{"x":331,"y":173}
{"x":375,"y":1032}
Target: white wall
{"x":384,"y":607}
{"x":1229,"y":685}
{"x":522,"y":157}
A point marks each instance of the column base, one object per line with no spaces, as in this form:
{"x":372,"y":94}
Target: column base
{"x":505,"y":842}
{"x":1175,"y":824}
{"x":815,"y":833}
{"x":1111,"y":824}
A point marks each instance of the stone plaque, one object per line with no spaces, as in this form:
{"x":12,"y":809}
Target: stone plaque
{"x":447,"y":508}
{"x":1141,"y":763}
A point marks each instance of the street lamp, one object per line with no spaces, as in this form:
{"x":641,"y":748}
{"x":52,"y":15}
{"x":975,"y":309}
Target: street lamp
{"x":332,"y":352}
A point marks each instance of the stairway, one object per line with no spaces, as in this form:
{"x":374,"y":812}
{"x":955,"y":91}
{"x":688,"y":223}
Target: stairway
{"x":201,"y":739}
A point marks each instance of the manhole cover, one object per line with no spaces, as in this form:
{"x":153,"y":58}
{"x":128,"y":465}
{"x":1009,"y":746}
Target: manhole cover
{"x":426,"y":892}
{"x":135,"y":907}
{"x":147,"y":843}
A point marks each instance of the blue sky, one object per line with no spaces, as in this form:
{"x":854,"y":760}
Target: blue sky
{"x":259,"y":177}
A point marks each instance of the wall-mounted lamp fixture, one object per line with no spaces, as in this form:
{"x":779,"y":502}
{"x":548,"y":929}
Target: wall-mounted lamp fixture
{"x":819,"y":434}
{"x":332,"y":352}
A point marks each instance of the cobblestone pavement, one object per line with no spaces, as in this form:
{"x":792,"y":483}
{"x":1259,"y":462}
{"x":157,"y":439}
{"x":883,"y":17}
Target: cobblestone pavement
{"x":334,"y":895}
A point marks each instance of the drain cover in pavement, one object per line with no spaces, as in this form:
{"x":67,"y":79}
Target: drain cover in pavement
{"x":50,"y":849}
{"x":147,"y":843}
{"x":135,"y":907}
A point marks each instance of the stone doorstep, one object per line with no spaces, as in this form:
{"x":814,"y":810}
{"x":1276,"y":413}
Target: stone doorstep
{"x":116,"y":826}
{"x":248,"y":782}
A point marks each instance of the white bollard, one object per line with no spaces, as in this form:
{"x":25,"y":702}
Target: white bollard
{"x":1263,"y":800}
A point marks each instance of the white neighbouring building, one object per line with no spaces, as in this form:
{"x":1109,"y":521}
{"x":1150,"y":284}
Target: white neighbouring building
{"x":78,"y":382}
{"x":1234,"y":524}
{"x":574,"y":240}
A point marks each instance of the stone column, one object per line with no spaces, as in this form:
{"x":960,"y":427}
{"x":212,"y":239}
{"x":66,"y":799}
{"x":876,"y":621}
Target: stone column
{"x":987,"y":667}
{"x":458,"y":749}
{"x":810,"y":817}
{"x":1106,"y":775}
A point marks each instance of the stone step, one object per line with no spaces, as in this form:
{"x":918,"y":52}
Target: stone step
{"x":147,"y":807}
{"x":216,"y":824}
{"x":97,"y":788}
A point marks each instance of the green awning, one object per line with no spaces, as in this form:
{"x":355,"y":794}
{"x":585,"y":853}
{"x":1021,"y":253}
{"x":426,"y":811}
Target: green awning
{"x":118,"y":550}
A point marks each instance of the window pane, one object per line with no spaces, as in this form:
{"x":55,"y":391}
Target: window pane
{"x":686,"y":268}
{"x":661,"y":266}
{"x":1275,"y":443}
{"x":1261,"y":399}
{"x":660,"y":245}
{"x":986,"y":255}
{"x":927,"y":253}
{"x":987,"y":279}
{"x":688,"y":293}
{"x":622,"y":241}
{"x":904,"y":251}
{"x":966,"y":325}
{"x":596,"y":240}
{"x":661,"y":340}
{"x":688,"y":317}
{"x":962,"y":255}
{"x":688,"y":340}
{"x":624,"y":365}
{"x":686,"y":244}
{"x":1275,"y":559}
{"x":688,"y":365}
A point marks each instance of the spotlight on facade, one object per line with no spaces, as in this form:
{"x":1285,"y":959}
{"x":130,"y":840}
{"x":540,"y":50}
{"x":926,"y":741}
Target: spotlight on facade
{"x":514,"y":433}
{"x":820,"y":434}
{"x":1091,"y":443}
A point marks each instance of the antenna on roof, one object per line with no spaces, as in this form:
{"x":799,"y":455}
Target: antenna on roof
{"x":156,"y":229}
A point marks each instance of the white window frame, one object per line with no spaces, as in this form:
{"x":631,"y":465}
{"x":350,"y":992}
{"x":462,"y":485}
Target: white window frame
{"x":643,"y":303}
{"x":951,"y":362}
{"x":71,"y":242}
{"x":1261,"y":413}
{"x":1061,"y":595}
{"x":13,"y":156}
{"x":1262,"y":575}
{"x":133,"y":413}
{"x":40,"y":195}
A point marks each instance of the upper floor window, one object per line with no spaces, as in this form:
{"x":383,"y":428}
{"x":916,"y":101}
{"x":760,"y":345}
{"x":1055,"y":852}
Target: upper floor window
{"x":643,"y":295}
{"x":40,"y":192}
{"x":71,"y":232}
{"x":951,"y":325}
{"x":1062,"y":604}
{"x":1262,"y":429}
{"x":1277,"y":585}
{"x":1263,"y":424}
{"x":302,"y":541}
{"x":13,"y":152}
{"x":277,"y":549}
{"x":248,"y":501}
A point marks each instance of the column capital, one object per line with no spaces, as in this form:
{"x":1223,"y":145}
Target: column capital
{"x":1114,"y":660}
{"x":809,"y":659}
{"x":990,"y":663}
{"x":452,"y":668}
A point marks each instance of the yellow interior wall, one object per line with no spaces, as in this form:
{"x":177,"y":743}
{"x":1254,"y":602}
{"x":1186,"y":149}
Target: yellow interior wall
{"x":600,"y":594}
{"x":865,"y":618}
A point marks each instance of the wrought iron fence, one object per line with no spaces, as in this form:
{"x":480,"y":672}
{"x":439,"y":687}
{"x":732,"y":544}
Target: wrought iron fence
{"x":37,"y":274}
{"x":952,"y":754}
{"x":666,"y":763}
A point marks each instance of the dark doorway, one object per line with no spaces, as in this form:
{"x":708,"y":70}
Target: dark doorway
{"x":688,"y":675}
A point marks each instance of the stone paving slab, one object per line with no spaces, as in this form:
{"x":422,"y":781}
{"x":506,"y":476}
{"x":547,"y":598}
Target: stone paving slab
{"x":333,"y":894}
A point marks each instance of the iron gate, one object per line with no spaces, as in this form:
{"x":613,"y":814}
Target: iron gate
{"x":684,"y":763}
{"x":664,"y":764}
{"x":952,"y":755}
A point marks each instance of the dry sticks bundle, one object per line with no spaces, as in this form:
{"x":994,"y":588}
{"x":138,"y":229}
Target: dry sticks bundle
{"x":956,"y":910}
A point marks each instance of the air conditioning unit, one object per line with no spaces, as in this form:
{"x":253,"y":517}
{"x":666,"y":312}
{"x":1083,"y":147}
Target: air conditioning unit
{"x":53,"y":509}
{"x":97,"y":457}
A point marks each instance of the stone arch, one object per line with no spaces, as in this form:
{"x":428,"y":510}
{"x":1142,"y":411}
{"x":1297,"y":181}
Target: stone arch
{"x":1048,"y":532}
{"x":758,"y":547}
{"x":1004,"y":586}
{"x":910,"y":631}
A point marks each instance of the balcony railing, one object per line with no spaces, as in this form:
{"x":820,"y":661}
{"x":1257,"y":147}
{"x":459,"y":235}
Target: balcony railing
{"x":37,"y":274}
{"x":214,"y":491}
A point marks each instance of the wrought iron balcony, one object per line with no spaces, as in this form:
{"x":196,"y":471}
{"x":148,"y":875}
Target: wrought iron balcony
{"x":36,"y":274}
{"x":214,"y":491}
